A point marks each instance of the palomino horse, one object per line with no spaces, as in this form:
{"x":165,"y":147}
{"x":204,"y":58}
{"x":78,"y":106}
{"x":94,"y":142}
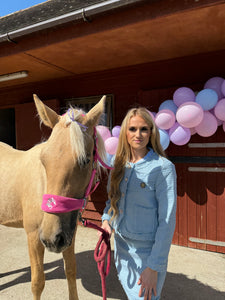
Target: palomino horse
{"x":63,"y":165}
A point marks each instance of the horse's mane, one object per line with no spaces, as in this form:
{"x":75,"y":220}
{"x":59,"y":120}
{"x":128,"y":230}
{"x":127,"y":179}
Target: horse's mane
{"x":73,"y":117}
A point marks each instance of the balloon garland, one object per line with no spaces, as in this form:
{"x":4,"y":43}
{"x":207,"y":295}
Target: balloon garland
{"x":186,"y":114}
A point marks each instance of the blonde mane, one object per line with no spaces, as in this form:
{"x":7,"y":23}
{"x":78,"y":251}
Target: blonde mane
{"x":72,"y":117}
{"x":77,"y":136}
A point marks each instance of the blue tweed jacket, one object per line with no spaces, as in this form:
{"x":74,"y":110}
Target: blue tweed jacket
{"x":147,"y":206}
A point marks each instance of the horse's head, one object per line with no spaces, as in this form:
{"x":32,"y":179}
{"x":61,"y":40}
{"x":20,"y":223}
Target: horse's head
{"x":67,"y":157}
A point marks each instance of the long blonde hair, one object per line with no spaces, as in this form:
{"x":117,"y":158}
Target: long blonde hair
{"x":123,"y":153}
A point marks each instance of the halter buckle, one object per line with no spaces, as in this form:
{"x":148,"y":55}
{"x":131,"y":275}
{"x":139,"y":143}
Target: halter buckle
{"x":94,"y":166}
{"x":85,"y":203}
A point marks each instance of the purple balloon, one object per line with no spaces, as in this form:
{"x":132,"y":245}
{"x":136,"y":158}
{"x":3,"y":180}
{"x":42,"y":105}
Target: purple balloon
{"x":208,"y":126}
{"x":215,"y":84}
{"x":116,"y":131}
{"x":223,"y":88}
{"x":179,"y":135}
{"x":182,"y":95}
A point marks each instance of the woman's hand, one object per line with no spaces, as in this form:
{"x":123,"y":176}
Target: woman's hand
{"x":106,"y":227}
{"x":148,"y":282}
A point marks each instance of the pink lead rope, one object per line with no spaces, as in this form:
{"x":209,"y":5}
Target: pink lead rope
{"x":102,"y":254}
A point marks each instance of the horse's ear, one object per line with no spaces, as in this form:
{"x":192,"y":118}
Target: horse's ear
{"x":48,"y":116}
{"x":93,"y":116}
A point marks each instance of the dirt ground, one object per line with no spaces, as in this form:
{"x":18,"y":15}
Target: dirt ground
{"x":192,"y":274}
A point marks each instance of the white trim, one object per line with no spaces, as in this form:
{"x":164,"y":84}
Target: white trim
{"x":208,"y":242}
{"x":206,"y":169}
{"x":206,"y":145}
{"x":78,"y":14}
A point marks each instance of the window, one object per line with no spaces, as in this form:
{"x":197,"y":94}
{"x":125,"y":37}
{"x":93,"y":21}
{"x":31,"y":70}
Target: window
{"x":86,"y":103}
{"x":7,"y":126}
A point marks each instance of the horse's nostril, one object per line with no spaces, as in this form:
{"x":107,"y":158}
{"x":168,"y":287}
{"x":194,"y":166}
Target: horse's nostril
{"x":60,"y":240}
{"x":57,"y":244}
{"x":44,"y":242}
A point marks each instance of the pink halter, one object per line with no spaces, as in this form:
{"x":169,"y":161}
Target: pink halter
{"x":59,"y":204}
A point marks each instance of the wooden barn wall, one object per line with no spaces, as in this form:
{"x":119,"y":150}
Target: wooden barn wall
{"x":29,"y":130}
{"x":201,"y":205}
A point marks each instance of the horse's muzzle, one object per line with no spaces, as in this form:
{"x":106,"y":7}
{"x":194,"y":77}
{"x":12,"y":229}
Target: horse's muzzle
{"x":57,"y":244}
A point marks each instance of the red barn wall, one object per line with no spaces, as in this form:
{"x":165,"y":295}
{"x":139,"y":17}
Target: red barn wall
{"x":201,"y":206}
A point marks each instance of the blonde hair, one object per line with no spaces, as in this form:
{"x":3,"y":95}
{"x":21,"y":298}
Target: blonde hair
{"x":123,"y":153}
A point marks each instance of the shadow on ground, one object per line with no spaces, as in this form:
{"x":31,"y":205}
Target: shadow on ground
{"x":177,"y":286}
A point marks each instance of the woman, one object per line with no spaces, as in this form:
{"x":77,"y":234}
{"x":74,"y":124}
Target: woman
{"x":141,"y":207}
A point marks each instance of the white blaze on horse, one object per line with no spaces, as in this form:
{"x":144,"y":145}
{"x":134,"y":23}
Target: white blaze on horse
{"x":61,"y":166}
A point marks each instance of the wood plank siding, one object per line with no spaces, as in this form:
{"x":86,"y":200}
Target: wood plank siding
{"x":201,"y":195}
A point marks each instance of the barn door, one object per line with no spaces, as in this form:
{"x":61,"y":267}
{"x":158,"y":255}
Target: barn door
{"x":201,"y":205}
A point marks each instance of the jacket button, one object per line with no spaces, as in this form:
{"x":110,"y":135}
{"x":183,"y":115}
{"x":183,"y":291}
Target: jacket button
{"x":143,"y":185}
{"x":123,"y":194}
{"x":126,"y":179}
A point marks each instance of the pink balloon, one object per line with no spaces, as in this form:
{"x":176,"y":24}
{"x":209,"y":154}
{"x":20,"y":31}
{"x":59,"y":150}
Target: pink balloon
{"x":208,"y":126}
{"x":103,"y":131}
{"x":165,"y":119}
{"x":193,"y":131}
{"x":116,"y":131}
{"x":219,"y":122}
{"x":215,"y":84}
{"x":151,"y":114}
{"x":182,"y":95}
{"x":219,"y":110}
{"x":189,"y":114}
{"x":111,"y":145}
{"x":179,"y":135}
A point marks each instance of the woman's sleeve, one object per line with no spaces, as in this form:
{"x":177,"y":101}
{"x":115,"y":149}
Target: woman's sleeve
{"x":166,"y":195}
{"x":105,"y":215}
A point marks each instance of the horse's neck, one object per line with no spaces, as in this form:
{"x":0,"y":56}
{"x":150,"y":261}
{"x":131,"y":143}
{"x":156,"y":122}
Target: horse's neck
{"x":6,"y":147}
{"x":20,"y":159}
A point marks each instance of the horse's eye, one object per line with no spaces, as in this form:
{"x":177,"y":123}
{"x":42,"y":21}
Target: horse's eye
{"x":85,"y":162}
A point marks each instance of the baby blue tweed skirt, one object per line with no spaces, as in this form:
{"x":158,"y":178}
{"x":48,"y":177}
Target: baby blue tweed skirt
{"x":130,"y":259}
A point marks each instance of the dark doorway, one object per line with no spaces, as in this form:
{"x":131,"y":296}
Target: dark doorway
{"x":7,"y":126}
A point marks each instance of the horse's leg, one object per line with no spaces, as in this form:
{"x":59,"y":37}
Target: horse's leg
{"x":36,"y":253}
{"x":70,"y":270}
